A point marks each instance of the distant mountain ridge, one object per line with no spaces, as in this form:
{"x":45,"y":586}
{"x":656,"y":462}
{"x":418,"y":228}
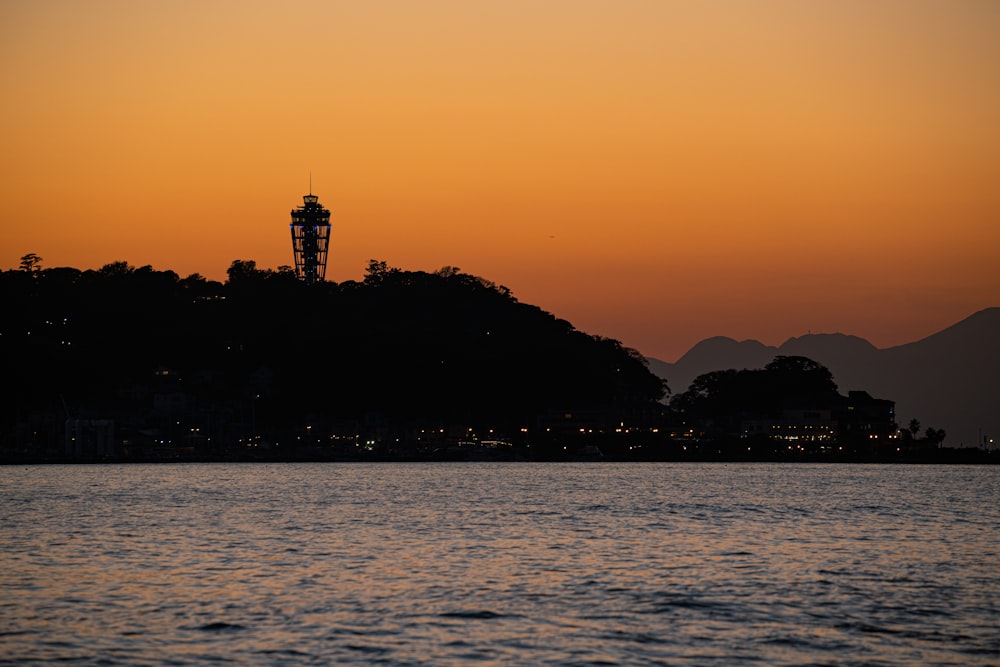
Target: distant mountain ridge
{"x":949,"y":380}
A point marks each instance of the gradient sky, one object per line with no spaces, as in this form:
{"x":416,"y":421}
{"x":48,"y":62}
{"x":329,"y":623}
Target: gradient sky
{"x":654,"y":171}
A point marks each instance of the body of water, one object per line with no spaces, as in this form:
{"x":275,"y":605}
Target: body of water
{"x":500,"y":563}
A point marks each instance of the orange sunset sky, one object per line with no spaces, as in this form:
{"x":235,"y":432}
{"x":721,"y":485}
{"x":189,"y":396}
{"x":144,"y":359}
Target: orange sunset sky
{"x":654,"y":171}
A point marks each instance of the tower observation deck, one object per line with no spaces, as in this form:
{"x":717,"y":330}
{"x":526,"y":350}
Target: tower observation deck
{"x":310,"y":239}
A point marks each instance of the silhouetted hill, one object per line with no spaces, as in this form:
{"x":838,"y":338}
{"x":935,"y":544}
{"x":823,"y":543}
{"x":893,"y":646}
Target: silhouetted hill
{"x":836,"y":348}
{"x":716,"y":353}
{"x":266,"y":353}
{"x":949,"y":380}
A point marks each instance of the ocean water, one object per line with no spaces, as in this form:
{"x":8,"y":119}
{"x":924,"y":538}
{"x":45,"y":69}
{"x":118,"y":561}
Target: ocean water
{"x":500,"y":564}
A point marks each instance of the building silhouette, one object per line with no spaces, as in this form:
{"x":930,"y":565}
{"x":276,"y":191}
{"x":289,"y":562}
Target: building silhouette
{"x":310,"y":239}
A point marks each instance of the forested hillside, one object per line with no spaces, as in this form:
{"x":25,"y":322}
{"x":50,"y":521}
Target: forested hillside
{"x":267,"y":351}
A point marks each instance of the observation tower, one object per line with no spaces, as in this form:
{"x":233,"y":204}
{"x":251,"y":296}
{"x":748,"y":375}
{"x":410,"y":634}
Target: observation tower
{"x":310,"y":239}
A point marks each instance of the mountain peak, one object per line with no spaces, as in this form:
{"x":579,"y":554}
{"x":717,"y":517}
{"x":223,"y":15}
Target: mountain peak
{"x":837,"y":344}
{"x":723,"y":345}
{"x":979,"y":329}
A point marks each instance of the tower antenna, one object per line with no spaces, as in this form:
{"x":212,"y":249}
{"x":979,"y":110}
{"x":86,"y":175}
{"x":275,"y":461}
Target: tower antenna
{"x":310,"y":181}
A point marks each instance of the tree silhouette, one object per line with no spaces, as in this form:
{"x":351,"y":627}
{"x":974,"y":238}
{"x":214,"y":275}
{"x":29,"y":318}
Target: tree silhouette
{"x":117,"y":269}
{"x":935,"y":436}
{"x":31,"y":263}
{"x":242,"y":271}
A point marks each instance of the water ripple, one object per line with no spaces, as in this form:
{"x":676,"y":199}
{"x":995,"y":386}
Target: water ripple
{"x":520,"y":564}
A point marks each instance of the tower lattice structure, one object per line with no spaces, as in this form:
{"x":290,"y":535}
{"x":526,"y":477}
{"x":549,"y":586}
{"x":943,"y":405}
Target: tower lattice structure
{"x":310,"y":239}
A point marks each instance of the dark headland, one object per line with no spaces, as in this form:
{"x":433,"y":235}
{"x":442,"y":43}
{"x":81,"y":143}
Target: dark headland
{"x":135,"y":364}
